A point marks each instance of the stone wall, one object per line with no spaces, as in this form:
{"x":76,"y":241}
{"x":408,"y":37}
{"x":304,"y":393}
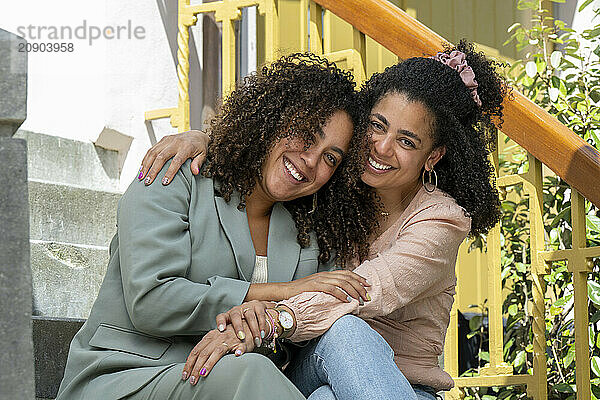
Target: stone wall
{"x":16,"y":348}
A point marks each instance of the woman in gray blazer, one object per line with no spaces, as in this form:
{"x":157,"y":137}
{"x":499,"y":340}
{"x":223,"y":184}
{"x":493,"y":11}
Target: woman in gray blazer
{"x":241,"y":230}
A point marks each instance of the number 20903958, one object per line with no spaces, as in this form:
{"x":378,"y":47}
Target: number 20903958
{"x":46,"y":47}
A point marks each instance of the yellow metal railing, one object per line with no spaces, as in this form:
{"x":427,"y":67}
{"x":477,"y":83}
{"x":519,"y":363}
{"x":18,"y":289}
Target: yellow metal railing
{"x":226,"y":12}
{"x":323,"y":32}
{"x":497,"y":372}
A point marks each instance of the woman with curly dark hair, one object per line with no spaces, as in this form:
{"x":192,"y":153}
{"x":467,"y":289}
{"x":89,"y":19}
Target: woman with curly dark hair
{"x":282,"y":143}
{"x":431,"y":121}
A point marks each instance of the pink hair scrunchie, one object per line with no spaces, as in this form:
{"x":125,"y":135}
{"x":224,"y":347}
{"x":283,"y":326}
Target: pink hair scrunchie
{"x":457,"y":60}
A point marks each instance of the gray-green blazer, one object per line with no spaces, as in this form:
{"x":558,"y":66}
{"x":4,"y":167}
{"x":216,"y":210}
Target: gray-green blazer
{"x":181,"y":256}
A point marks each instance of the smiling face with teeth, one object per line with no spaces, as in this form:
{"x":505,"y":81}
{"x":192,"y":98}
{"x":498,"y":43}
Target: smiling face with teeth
{"x":291,"y":171}
{"x":402,"y":146}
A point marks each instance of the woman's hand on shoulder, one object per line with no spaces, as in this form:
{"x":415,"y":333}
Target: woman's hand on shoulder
{"x":342,"y":284}
{"x":214,"y":346}
{"x":191,"y":144}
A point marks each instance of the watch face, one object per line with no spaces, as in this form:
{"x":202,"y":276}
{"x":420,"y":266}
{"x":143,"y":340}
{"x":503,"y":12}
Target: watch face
{"x":285,"y":319}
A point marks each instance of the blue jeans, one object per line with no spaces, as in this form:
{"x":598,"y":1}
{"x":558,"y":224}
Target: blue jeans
{"x":351,"y":361}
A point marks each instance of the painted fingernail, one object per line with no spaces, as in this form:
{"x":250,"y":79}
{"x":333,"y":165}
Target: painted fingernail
{"x":241,"y":335}
{"x":361,"y":302}
{"x":257,"y":342}
{"x":221,"y":328}
{"x":192,"y":379}
{"x":368,"y":297}
{"x":203,"y":371}
{"x":368,"y":283}
{"x":140,"y":176}
{"x":165,"y":181}
{"x":147,"y":181}
{"x":238,"y":352}
{"x":349,"y":299}
{"x":184,"y":376}
{"x":262,"y":334}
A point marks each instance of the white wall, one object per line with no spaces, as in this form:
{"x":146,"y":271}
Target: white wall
{"x":110,"y":83}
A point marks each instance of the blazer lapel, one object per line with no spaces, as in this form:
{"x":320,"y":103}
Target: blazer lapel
{"x":235,"y":224}
{"x":283,"y":250}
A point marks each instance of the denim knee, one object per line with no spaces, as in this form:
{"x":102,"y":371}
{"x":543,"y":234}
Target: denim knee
{"x":353,"y":331}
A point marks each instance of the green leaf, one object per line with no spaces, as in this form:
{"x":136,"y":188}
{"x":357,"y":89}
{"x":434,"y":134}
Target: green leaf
{"x":527,"y":5}
{"x":596,"y":391}
{"x":554,"y":311}
{"x":471,"y":334}
{"x":594,"y":292}
{"x":484,"y":355}
{"x":513,"y":26}
{"x":507,"y":394}
{"x":593,"y":222}
{"x":563,"y":300}
{"x":531,"y":69}
{"x":562,"y":88}
{"x":563,"y":215}
{"x":507,"y":346}
{"x":555,"y":59}
{"x":520,"y":359}
{"x":512,"y":309}
{"x":475,"y":322}
{"x":563,"y":388}
{"x":541,"y":65}
{"x":570,"y":357}
{"x":585,"y":4}
{"x":595,"y":364}
{"x":522,"y":268}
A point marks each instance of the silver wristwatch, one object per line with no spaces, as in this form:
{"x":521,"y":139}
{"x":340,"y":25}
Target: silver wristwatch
{"x":286,"y":320}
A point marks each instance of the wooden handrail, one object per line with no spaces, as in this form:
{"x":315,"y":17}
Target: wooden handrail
{"x":551,"y":142}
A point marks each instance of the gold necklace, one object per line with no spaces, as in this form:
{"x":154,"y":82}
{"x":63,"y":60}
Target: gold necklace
{"x":386,"y":214}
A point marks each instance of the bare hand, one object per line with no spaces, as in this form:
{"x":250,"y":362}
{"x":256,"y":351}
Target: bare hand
{"x":253,"y":312}
{"x":213,"y":346}
{"x":334,"y":283}
{"x":180,"y":147}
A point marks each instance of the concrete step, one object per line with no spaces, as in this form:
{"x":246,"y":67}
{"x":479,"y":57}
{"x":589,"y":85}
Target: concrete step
{"x":66,"y":278}
{"x":51,"y":340}
{"x":72,"y":162}
{"x":71,"y":214}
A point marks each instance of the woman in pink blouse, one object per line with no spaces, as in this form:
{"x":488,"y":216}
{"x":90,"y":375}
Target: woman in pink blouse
{"x":431,"y":121}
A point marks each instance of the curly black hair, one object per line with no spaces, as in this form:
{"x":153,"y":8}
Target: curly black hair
{"x":467,"y":130}
{"x":294,"y":97}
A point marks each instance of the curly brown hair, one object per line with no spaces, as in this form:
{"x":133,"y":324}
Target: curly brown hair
{"x":467,"y":130}
{"x":294,"y":97}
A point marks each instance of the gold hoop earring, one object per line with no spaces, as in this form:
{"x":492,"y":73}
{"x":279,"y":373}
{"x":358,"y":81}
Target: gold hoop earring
{"x":431,"y":177}
{"x":314,"y":204}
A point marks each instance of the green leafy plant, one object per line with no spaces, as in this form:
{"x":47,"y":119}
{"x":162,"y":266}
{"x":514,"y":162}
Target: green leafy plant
{"x":560,"y":71}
